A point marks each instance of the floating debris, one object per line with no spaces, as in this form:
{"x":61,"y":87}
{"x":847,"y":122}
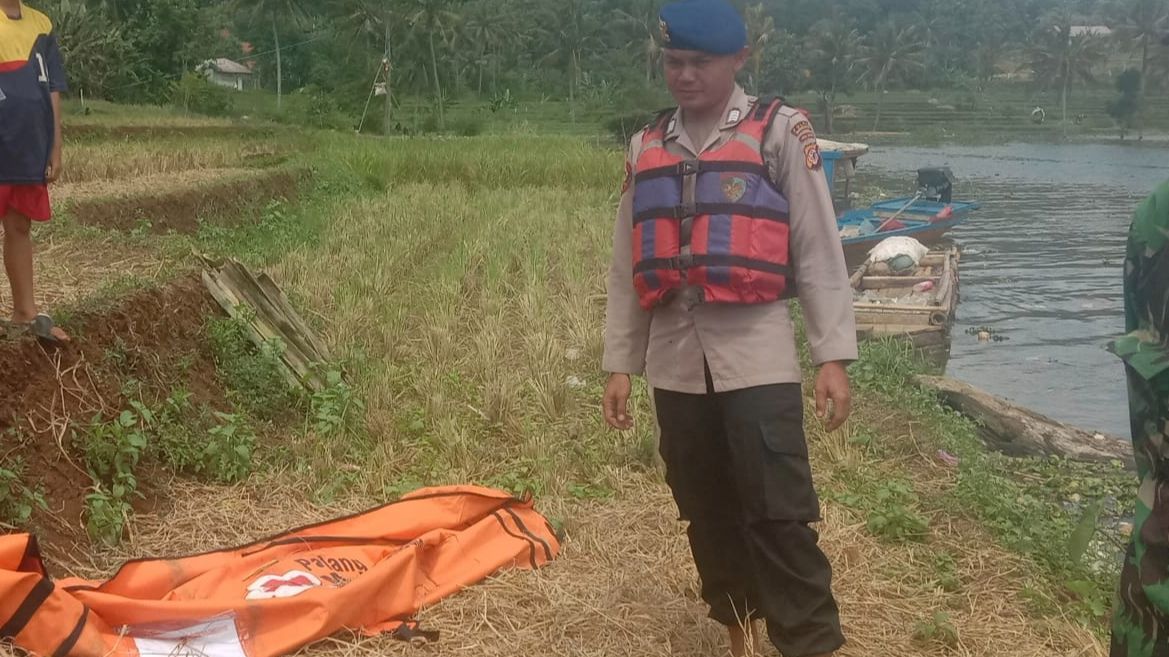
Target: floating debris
{"x":986,"y":334}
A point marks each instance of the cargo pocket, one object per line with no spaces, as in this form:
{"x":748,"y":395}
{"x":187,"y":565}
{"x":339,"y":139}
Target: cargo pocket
{"x":788,"y":491}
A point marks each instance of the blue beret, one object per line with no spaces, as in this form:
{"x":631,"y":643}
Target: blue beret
{"x":712,"y":26}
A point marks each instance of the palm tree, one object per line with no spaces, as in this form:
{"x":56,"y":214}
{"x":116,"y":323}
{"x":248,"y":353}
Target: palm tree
{"x":488,"y":27}
{"x":434,"y":18}
{"x":832,"y":50}
{"x":274,"y":10}
{"x":1060,"y":57}
{"x":891,"y":53}
{"x":988,"y":58}
{"x":760,"y":30}
{"x":575,"y":26}
{"x":641,"y":19}
{"x":1141,"y":27}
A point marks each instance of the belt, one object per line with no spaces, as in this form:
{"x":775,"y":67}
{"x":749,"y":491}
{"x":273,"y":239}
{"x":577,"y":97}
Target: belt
{"x":687,"y":297}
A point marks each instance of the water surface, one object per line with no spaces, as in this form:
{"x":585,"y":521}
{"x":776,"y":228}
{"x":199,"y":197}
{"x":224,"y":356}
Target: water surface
{"x":1041,"y":266}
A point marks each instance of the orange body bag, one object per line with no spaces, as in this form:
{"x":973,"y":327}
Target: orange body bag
{"x":370,"y":572}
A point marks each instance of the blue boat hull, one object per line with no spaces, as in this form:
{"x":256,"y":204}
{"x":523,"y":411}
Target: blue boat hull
{"x":921,"y":220}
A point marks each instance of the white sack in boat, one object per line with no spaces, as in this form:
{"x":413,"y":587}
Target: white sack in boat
{"x":892,"y":247}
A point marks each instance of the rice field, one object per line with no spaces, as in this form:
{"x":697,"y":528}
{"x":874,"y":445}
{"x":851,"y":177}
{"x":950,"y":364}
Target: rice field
{"x":429,"y":281}
{"x":469,"y":292}
{"x":101,"y":113}
{"x":460,"y":281}
{"x":124,"y":161}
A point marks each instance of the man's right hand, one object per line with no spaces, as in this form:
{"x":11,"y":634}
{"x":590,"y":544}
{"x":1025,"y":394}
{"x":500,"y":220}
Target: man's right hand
{"x":616,"y":402}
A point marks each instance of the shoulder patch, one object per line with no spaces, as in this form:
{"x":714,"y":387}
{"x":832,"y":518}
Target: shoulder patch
{"x":812,"y":158}
{"x":803,"y":131}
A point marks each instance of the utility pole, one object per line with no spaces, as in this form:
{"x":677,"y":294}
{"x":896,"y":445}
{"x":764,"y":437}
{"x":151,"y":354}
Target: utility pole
{"x":387,"y":121}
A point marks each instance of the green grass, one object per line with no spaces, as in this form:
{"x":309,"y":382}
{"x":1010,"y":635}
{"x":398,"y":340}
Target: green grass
{"x":1022,"y":502}
{"x":253,"y":377}
{"x":18,"y":500}
{"x":459,"y":282}
{"x":102,"y":113}
{"x":470,"y":310}
{"x":113,"y":160}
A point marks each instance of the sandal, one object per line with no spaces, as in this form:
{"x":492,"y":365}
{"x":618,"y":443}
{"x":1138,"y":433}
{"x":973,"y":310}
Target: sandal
{"x":41,"y":327}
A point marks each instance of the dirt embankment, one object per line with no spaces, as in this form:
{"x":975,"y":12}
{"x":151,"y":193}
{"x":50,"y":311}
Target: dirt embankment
{"x":154,"y":337}
{"x":180,"y":203}
{"x":112,"y":131}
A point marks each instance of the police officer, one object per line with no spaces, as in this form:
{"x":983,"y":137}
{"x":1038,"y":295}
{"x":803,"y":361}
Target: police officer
{"x":725,"y":214}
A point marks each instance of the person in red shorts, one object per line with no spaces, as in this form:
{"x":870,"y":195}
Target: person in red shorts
{"x":32,"y":78}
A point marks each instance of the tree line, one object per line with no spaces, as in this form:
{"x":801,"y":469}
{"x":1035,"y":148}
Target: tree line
{"x":604,"y":52}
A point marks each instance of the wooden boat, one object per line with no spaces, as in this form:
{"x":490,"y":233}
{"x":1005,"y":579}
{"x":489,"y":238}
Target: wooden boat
{"x":918,"y":305}
{"x":925,"y":220}
{"x":927,"y":216}
{"x":839,"y":161}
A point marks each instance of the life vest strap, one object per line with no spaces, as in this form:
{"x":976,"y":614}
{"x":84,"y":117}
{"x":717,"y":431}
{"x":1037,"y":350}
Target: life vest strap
{"x":687,"y":210}
{"x":693,"y":167}
{"x":763,"y":106}
{"x":684,"y":262}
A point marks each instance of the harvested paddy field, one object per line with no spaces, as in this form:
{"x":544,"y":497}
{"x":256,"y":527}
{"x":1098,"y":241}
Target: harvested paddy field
{"x":460,"y":285}
{"x":178,"y":201}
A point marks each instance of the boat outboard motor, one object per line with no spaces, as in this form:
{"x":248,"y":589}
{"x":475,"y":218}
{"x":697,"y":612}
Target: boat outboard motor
{"x":936,"y":183}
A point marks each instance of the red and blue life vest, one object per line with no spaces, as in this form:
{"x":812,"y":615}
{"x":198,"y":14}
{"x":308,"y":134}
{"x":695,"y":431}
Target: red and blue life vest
{"x":716,"y":225}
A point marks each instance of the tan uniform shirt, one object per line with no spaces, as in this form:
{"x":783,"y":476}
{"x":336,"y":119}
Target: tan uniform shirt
{"x":745,"y":345}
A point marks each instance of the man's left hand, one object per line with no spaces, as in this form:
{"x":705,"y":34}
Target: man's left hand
{"x":53,"y":172}
{"x":833,"y":398}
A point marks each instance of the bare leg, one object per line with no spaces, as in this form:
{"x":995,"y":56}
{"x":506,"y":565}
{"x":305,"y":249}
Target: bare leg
{"x":746,"y":641}
{"x":18,"y":264}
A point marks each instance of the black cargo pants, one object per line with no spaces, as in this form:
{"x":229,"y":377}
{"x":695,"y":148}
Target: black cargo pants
{"x":737,"y":463}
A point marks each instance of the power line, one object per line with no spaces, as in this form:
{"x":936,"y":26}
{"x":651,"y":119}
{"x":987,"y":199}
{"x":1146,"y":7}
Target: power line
{"x":295,"y":45}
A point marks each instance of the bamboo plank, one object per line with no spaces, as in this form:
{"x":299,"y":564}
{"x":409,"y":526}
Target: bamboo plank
{"x":858,"y":276}
{"x":275,"y":317}
{"x":944,"y":286}
{"x":889,"y":319}
{"x":272,"y":318}
{"x":878,"y":282}
{"x":893,"y":307}
{"x":282,"y":302}
{"x":243,"y":281}
{"x":230,"y":303}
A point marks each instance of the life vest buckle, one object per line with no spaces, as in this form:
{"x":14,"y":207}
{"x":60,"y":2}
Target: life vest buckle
{"x":688,"y":167}
{"x":685,"y":210}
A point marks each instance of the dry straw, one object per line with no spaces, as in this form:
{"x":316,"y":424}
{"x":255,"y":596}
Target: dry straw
{"x":625,"y":583}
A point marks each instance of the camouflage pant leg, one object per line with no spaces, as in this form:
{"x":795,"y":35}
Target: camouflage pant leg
{"x":1141,"y":624}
